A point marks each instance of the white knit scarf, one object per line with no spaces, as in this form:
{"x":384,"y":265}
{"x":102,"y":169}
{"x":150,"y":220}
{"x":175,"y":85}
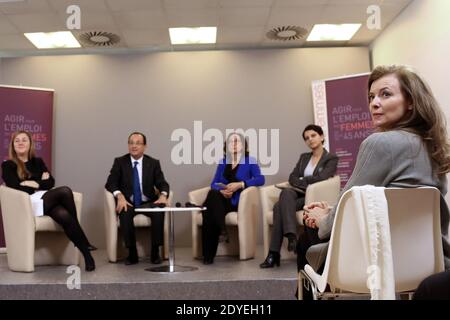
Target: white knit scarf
{"x":373,"y":224}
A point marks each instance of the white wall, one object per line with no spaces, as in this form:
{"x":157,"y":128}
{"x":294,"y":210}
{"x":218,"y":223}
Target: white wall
{"x":420,"y":37}
{"x":100,"y":99}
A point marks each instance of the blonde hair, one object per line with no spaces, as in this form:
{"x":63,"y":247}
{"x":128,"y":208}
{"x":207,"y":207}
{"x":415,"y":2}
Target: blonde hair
{"x":22,"y":171}
{"x":426,"y":118}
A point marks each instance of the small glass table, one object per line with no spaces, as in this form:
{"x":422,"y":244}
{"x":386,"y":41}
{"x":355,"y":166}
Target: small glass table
{"x":171,"y":268}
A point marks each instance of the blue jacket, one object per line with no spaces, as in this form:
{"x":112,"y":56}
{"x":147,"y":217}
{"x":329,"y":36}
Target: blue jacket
{"x":248,"y":171}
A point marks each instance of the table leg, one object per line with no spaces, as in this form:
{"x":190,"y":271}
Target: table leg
{"x":171,"y":268}
{"x":171,"y":243}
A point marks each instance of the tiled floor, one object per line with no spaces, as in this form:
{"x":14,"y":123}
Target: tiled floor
{"x":227,"y":278}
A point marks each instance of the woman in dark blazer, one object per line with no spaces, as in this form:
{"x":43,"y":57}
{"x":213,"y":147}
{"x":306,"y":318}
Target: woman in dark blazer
{"x":25,"y":172}
{"x":236,"y":171}
{"x":312,"y":167}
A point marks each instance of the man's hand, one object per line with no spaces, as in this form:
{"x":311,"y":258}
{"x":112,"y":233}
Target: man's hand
{"x":45,"y":176}
{"x":162,"y":199}
{"x":30,"y":183}
{"x":122,"y":203}
{"x":314,"y":213}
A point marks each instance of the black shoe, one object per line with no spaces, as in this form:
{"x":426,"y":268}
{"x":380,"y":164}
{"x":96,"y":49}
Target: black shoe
{"x":91,"y":247}
{"x":132,"y":257}
{"x":131,"y":260}
{"x":89,"y":263}
{"x":292,"y":243}
{"x":273,"y":258}
{"x":154,"y":256}
{"x":208,"y":261}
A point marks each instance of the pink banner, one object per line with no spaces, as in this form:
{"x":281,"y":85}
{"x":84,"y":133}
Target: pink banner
{"x":30,"y":110}
{"x":341,"y":108}
{"x":349,"y":120}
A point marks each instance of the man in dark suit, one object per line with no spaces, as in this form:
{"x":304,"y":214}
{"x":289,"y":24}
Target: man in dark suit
{"x":132,"y":180}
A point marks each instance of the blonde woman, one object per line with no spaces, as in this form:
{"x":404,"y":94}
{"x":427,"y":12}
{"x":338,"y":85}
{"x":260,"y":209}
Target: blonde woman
{"x":26,"y":172}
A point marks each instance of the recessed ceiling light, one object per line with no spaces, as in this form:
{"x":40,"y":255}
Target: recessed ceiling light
{"x":333,"y":32}
{"x":53,"y":40}
{"x":193,"y":35}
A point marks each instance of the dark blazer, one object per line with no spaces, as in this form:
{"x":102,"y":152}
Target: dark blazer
{"x":325,"y":168}
{"x":121,"y":177}
{"x":35,"y":166}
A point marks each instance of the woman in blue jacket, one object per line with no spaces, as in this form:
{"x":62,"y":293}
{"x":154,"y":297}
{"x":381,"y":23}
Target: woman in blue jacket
{"x":235,"y":172}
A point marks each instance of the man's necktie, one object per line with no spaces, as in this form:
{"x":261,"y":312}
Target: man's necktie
{"x":137,"y":197}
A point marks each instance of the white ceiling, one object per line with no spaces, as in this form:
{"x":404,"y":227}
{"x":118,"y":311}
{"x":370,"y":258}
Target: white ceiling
{"x":143,"y":24}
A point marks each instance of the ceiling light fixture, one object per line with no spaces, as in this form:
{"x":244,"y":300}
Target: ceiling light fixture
{"x":333,"y":32}
{"x":53,"y":40}
{"x":193,"y":35}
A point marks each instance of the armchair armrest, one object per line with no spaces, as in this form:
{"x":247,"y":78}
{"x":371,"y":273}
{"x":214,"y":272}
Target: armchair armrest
{"x":78,"y":198}
{"x":326,"y":190}
{"x":269,"y":196}
{"x":248,"y":211}
{"x":19,"y":228}
{"x":198,"y":197}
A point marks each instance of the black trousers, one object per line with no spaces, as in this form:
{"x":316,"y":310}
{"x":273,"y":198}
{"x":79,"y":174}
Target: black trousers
{"x":434,"y":287}
{"x":284,"y":217}
{"x":128,"y":229}
{"x":60,"y":206}
{"x":307,"y":238}
{"x":214,"y":221}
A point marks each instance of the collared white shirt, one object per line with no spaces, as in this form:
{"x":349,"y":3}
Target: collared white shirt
{"x":309,"y":170}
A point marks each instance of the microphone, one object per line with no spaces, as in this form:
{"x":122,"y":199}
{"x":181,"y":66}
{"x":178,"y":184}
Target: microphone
{"x":178,"y":205}
{"x":156,"y":205}
{"x":190,"y":205}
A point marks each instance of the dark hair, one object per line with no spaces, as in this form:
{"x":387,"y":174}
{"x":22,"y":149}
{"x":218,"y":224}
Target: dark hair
{"x":243,"y":140}
{"x":426,"y":118}
{"x":140,"y":133}
{"x":315,"y":128}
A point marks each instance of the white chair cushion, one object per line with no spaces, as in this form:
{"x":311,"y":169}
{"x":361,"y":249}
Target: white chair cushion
{"x":139,"y":220}
{"x":230,"y":219}
{"x":299,"y":215}
{"x":45,"y":223}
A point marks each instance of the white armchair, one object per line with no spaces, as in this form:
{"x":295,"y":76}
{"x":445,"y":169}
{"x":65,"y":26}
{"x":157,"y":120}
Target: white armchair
{"x":241,"y":225}
{"x":327,"y":190}
{"x":30,"y":240}
{"x":114,"y":244}
{"x":416,"y":242}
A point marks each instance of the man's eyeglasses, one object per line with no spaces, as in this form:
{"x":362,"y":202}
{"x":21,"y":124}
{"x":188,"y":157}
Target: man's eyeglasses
{"x":135,"y":144}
